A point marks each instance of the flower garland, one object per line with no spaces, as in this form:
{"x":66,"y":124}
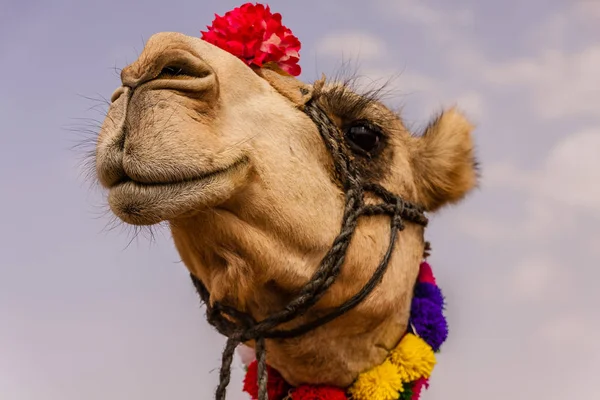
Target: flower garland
{"x":404,"y":373}
{"x":257,"y":37}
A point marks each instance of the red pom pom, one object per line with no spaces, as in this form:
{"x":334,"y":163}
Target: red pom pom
{"x":307,"y":392}
{"x":418,"y":386}
{"x":277,"y":387}
{"x":426,"y":274}
{"x":256,"y":36}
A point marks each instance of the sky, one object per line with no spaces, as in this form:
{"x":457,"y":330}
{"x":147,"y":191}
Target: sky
{"x":88,"y":313}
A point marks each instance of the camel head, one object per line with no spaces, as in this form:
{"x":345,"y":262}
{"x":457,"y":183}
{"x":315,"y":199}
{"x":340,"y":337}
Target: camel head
{"x":225,"y":154}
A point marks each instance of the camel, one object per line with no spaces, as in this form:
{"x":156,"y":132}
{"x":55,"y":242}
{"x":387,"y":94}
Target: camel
{"x":226,"y":155}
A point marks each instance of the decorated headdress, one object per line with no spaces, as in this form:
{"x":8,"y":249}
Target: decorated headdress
{"x":257,"y":37}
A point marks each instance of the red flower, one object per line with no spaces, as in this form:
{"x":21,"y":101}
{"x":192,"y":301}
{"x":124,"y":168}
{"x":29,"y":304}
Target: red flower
{"x":426,"y":274}
{"x":277,"y":387}
{"x":306,"y":392}
{"x":256,"y":36}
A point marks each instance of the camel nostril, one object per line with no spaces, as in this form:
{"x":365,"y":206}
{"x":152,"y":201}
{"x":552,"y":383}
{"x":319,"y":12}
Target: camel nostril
{"x":176,"y":71}
{"x":184,"y":73}
{"x":171,"y":71}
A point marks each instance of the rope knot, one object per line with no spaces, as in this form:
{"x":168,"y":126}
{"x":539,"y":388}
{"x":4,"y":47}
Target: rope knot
{"x":400,"y":208}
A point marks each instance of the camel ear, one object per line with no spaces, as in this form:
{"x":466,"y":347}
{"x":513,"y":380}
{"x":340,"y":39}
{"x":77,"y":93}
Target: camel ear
{"x":293,"y":89}
{"x":444,"y":161}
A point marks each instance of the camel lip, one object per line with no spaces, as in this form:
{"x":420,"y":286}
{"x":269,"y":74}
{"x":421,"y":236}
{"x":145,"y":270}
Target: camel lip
{"x":141,"y":203}
{"x":192,"y":179}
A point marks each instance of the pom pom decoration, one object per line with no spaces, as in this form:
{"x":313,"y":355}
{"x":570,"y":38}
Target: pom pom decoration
{"x":426,"y":314}
{"x":429,"y":322}
{"x":277,"y":387}
{"x":431,"y":292}
{"x":380,"y":383}
{"x":307,"y":392}
{"x":256,"y":36}
{"x":417,"y":387}
{"x":426,"y":274}
{"x":413,"y":357}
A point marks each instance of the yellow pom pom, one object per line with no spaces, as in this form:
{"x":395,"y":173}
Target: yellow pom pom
{"x":413,"y":357}
{"x":380,"y":383}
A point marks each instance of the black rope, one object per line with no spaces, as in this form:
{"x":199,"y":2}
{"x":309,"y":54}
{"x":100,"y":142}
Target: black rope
{"x":240,"y":327}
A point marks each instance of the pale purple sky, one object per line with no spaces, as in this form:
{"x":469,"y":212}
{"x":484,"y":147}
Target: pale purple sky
{"x":83,"y":316}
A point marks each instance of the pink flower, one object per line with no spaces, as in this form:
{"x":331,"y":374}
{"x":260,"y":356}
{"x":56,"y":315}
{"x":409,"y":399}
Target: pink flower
{"x":256,"y":36}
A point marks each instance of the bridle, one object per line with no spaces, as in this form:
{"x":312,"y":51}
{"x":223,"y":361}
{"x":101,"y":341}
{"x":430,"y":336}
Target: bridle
{"x":241,"y":327}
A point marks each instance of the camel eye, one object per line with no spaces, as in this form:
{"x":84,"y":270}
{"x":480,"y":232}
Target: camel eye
{"x":364,"y":138}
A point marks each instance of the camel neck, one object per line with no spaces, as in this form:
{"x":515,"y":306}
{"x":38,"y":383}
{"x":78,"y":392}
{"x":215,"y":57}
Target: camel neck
{"x":403,"y":373}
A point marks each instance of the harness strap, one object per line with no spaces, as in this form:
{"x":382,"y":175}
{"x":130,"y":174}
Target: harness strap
{"x":240,"y":327}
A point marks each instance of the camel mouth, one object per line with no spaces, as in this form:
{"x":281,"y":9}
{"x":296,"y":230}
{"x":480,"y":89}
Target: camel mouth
{"x":165,"y":181}
{"x":149,"y":203}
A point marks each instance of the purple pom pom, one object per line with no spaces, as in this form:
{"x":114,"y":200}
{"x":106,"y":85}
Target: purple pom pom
{"x":429,"y":291}
{"x":429,"y":322}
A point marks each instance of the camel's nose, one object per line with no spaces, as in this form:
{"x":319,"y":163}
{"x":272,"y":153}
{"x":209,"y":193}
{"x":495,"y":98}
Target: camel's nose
{"x":169,"y":61}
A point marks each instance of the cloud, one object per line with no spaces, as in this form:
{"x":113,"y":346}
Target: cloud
{"x":570,"y":340}
{"x":398,"y":82}
{"x":472,"y":104}
{"x":568,"y":176}
{"x":414,"y":11}
{"x":559,"y":84}
{"x":567,"y":330}
{"x":483,"y":227}
{"x":419,"y":94}
{"x":588,"y":10}
{"x":445,"y":28}
{"x":559,"y":80}
{"x":506,"y":174}
{"x":591,"y":244}
{"x":571,"y":172}
{"x":550,"y":32}
{"x":422,"y":95}
{"x":406,"y":82}
{"x":557,"y":196}
{"x":351,"y":45}
{"x":534,"y":278}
